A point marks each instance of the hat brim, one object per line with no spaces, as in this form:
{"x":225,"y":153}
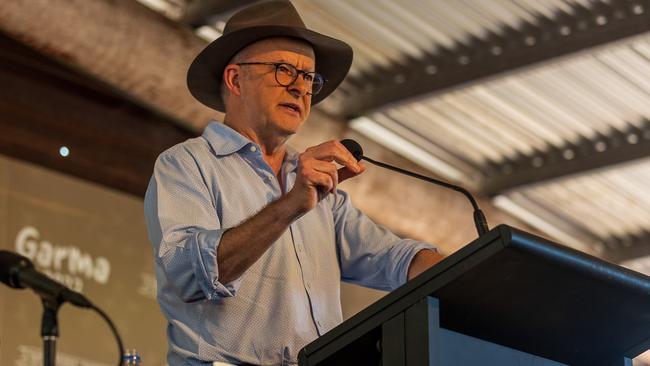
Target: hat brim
{"x":333,"y":60}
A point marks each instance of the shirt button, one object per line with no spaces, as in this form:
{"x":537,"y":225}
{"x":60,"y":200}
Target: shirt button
{"x":309,"y":286}
{"x":253,"y":148}
{"x":319,"y":323}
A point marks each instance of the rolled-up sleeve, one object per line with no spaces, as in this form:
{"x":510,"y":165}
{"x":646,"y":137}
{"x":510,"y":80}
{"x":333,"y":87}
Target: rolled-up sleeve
{"x":371,"y":255}
{"x":184,"y":228}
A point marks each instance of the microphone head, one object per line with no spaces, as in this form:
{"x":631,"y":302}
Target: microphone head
{"x":10,"y":264}
{"x":354,"y":148}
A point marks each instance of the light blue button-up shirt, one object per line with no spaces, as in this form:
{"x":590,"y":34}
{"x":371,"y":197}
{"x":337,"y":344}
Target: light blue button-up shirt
{"x":290,"y":296}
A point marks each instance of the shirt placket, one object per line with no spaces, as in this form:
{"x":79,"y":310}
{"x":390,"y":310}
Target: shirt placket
{"x":308,"y":276}
{"x":263,"y":170}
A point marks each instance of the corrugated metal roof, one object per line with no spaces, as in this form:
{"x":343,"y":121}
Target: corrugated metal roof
{"x":385,"y":31}
{"x":577,"y":98}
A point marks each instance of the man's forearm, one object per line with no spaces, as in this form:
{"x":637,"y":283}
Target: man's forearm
{"x":243,"y":245}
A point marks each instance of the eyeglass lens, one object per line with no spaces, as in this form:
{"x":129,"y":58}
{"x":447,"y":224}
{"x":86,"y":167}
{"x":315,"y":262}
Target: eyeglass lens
{"x":286,"y":74}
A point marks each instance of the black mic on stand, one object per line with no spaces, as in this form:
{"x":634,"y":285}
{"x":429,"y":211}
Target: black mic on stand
{"x":18,"y":271}
{"x":479,"y":218}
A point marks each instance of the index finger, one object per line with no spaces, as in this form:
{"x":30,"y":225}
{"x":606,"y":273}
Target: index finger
{"x":334,"y":151}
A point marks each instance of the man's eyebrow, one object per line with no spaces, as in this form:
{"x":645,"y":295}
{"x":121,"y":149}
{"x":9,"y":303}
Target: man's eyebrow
{"x":283,"y":61}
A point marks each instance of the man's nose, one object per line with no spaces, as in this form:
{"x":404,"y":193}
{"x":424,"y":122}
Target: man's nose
{"x":299,"y":87}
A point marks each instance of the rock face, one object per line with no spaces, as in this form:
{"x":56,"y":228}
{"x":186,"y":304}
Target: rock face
{"x":120,"y":42}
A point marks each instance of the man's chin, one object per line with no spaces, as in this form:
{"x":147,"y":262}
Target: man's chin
{"x":289,"y":126}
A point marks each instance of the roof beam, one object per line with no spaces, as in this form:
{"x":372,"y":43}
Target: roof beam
{"x":498,"y":53}
{"x":588,"y":154}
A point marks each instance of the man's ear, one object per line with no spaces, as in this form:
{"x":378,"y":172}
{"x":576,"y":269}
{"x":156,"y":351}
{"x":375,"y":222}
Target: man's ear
{"x":231,"y":79}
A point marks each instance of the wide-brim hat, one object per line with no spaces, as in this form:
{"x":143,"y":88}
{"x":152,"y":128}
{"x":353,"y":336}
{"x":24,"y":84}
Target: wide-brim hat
{"x":264,"y":20}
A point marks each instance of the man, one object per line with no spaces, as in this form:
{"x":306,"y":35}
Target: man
{"x":252,"y":239}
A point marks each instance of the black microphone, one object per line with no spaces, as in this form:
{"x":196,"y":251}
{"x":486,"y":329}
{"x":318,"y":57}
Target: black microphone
{"x":479,"y":218}
{"x":18,"y":272}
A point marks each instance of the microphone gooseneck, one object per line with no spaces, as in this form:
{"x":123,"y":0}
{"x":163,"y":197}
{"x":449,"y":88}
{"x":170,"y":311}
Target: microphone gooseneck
{"x":479,"y":218}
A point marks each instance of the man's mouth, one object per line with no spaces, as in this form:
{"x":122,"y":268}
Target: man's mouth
{"x":292,"y":106}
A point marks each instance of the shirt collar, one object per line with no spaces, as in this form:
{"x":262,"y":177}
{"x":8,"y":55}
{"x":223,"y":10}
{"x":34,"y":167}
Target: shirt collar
{"x":223,"y":139}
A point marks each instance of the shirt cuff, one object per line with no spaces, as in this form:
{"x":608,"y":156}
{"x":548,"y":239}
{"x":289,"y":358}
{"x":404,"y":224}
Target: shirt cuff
{"x":404,"y":267}
{"x":204,"y":260}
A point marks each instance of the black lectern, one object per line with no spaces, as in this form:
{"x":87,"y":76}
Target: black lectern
{"x":508,"y":298}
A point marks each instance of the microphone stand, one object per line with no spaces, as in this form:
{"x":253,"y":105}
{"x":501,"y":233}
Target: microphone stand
{"x":49,"y":329}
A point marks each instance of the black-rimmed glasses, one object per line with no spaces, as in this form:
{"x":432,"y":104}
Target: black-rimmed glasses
{"x":287,"y":74}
